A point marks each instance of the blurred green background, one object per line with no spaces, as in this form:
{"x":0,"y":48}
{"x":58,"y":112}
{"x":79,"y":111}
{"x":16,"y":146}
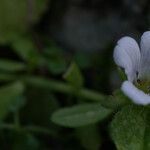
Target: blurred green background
{"x":56,"y":54}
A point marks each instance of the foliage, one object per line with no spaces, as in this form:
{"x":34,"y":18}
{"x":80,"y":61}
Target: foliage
{"x":128,"y":128}
{"x":55,"y":98}
{"x":17,"y":16}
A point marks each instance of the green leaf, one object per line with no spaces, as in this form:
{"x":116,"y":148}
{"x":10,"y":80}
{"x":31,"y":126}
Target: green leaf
{"x":91,"y":142}
{"x":55,"y":60}
{"x":74,"y":76}
{"x":147,"y":133}
{"x":9,"y":97}
{"x":128,"y":128}
{"x":147,"y":137}
{"x":80,"y":115}
{"x":26,"y":49}
{"x":11,"y":66}
{"x":17,"y":17}
{"x":56,"y":66}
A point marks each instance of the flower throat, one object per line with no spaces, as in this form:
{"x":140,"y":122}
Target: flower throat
{"x":143,"y":85}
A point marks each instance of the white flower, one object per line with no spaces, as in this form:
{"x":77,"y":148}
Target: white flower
{"x":136,"y":63}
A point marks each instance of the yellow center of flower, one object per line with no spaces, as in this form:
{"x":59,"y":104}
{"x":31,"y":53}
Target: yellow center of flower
{"x":143,"y":85}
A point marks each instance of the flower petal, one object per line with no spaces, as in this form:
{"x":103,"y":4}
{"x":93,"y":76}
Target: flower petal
{"x":127,"y":56}
{"x":136,"y":95}
{"x":145,"y":55}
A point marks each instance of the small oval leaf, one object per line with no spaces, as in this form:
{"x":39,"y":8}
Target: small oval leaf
{"x":80,"y":115}
{"x":74,"y":76}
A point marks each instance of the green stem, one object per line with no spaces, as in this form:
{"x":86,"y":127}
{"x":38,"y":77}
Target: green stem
{"x":38,"y":130}
{"x":16,"y":120}
{"x":34,"y":129}
{"x":62,"y":87}
{"x":56,"y":86}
